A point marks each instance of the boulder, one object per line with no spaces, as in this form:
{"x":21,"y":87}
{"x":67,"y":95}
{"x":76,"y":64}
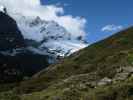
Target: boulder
{"x":123,"y":74}
{"x":104,"y":81}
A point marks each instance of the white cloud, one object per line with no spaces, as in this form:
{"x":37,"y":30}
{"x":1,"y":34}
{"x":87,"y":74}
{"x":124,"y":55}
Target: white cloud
{"x":30,"y":8}
{"x":110,"y":28}
{"x":64,"y":4}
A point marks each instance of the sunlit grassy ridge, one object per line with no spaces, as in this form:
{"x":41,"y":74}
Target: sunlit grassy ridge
{"x":101,"y":58}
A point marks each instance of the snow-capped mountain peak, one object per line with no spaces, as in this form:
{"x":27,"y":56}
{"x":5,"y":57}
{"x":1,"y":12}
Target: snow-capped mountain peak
{"x":42,"y":34}
{"x":50,"y":35}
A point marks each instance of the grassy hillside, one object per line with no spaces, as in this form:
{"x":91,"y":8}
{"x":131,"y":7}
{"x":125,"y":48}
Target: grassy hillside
{"x":101,"y":58}
{"x":102,"y":71}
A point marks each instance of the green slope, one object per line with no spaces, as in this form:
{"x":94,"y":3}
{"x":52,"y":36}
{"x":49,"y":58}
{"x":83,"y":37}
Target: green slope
{"x":102,"y":71}
{"x":101,"y":58}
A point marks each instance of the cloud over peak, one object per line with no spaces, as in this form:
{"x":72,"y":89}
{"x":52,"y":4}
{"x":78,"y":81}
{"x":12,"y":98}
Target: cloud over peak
{"x":111,"y":28}
{"x":31,"y":8}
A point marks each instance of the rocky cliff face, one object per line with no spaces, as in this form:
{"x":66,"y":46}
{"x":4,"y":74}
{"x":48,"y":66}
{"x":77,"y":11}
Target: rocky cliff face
{"x":10,"y":36}
{"x":28,"y":45}
{"x":16,"y":60}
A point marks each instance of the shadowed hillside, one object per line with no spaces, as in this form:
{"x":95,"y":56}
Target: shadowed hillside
{"x":16,"y":61}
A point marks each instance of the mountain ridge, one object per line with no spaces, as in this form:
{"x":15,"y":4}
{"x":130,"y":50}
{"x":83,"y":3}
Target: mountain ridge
{"x":101,"y":67}
{"x":16,"y":61}
{"x":49,"y":34}
{"x":101,"y":71}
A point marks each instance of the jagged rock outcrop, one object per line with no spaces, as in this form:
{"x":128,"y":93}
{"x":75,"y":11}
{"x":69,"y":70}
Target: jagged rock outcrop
{"x":16,"y":60}
{"x":10,"y":36}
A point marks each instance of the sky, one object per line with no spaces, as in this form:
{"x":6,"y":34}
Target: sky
{"x":103,"y":17}
{"x":92,"y":19}
{"x":30,"y":9}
